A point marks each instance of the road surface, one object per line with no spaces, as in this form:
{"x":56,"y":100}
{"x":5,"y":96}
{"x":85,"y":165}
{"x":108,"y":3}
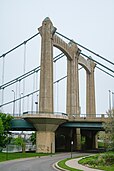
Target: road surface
{"x":35,"y":164}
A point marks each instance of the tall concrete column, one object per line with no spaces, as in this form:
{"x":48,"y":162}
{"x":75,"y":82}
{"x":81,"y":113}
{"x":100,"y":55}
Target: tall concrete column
{"x":45,"y":142}
{"x":95,"y":141}
{"x":91,"y":140}
{"x":46,"y":73}
{"x":73,"y":83}
{"x":78,"y":139}
{"x":45,"y":138}
{"x":90,"y":92}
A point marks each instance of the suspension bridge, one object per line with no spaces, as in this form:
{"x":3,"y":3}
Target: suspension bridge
{"x":55,"y":130}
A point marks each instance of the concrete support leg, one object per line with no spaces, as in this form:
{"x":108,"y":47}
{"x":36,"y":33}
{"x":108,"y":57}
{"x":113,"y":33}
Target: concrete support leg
{"x":46,"y":73}
{"x":91,"y":140}
{"x":90,"y":92}
{"x":95,"y":142}
{"x":78,"y":139}
{"x":73,"y":85}
{"x":45,"y":142}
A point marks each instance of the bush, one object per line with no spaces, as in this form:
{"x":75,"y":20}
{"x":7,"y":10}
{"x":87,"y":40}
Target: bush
{"x":99,"y":160}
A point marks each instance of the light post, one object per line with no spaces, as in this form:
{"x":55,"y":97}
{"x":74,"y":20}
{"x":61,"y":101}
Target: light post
{"x":13,"y":103}
{"x":27,"y":102}
{"x":36,"y":104}
{"x":109,"y":101}
{"x":113,"y":102}
{"x":20,"y":104}
{"x":71,"y":148}
{"x":36,"y":107}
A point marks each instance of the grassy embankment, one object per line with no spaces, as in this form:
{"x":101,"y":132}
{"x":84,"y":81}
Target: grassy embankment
{"x":64,"y":166}
{"x":12,"y":156}
{"x":103,"y":161}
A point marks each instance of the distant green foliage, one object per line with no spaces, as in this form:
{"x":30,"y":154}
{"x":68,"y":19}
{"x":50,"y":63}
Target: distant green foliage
{"x":20,"y":142}
{"x":109,"y":129}
{"x":4,"y":129}
{"x":1,"y":127}
{"x":33,"y":138}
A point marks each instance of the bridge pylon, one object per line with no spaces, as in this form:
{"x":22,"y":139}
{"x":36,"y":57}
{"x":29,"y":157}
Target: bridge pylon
{"x":45,"y":121}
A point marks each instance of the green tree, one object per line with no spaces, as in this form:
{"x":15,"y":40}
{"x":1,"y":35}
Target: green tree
{"x":33,"y":138}
{"x":1,"y":127}
{"x":109,"y":129}
{"x":5,"y":126}
{"x":20,"y":142}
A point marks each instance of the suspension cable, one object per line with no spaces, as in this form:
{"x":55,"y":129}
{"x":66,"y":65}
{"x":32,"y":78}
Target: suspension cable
{"x":86,"y":48}
{"x":18,"y":98}
{"x":56,"y":58}
{"x":19,"y":45}
{"x":53,"y":83}
{"x":20,"y":77}
{"x":97,"y":62}
{"x":105,"y":71}
{"x":26,"y":74}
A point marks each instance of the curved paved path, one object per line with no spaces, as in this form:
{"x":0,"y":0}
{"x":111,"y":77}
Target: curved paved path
{"x":36,"y":163}
{"x":74,"y":164}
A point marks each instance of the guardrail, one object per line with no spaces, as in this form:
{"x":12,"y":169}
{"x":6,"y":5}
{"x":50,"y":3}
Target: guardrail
{"x":84,"y":116}
{"x":90,"y":115}
{"x":54,"y":113}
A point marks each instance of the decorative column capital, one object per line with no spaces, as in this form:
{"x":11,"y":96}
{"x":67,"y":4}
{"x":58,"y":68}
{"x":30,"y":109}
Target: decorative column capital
{"x":48,"y":26}
{"x":92,"y":64}
{"x":75,"y":51}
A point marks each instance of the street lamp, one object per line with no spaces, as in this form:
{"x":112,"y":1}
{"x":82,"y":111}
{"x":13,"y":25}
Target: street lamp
{"x":20,"y":104}
{"x":36,"y":107}
{"x":13,"y":103}
{"x":112,"y":100}
{"x":109,"y":101}
{"x":36,"y":104}
{"x":71,"y":148}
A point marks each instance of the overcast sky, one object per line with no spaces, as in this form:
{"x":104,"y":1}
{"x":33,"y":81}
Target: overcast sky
{"x":88,"y":22}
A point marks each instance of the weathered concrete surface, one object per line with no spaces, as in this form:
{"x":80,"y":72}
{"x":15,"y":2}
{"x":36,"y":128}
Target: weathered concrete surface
{"x":46,"y":125}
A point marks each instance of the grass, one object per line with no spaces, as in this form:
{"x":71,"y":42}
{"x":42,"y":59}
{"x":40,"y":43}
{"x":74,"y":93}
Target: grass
{"x":103,"y":161}
{"x":101,"y":144}
{"x":12,"y":156}
{"x":64,"y":166}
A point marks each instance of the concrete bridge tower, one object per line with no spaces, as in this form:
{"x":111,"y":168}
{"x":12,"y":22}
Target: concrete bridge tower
{"x":46,"y":121}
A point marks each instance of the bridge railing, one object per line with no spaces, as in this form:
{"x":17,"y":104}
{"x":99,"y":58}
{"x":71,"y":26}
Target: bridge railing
{"x":59,"y":113}
{"x":37,"y":112}
{"x":90,"y":115}
{"x":73,"y":117}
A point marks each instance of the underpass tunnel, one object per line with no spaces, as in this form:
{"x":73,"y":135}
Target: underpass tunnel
{"x":82,"y":139}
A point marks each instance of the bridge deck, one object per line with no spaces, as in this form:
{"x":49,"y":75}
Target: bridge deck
{"x":78,"y":122}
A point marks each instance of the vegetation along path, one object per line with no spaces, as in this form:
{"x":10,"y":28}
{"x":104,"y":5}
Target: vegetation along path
{"x":74,"y":164}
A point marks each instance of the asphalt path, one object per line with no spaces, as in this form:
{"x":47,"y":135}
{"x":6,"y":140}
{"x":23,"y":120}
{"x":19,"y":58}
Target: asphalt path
{"x":36,"y":164}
